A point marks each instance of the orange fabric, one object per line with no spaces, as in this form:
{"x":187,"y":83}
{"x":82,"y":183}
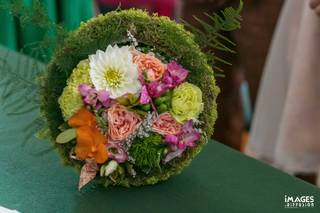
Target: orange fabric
{"x":90,"y":142}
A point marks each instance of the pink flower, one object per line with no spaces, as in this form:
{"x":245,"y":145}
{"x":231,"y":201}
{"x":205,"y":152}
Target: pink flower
{"x":174,"y":75}
{"x":165,"y":124}
{"x":92,"y":97}
{"x":156,"y":89}
{"x":173,"y":154}
{"x":186,"y":138}
{"x":121,"y":122}
{"x":150,"y":65}
{"x":180,"y":142}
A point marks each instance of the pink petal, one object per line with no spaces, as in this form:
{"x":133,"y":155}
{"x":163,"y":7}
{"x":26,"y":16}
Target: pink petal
{"x":90,"y":99}
{"x":187,"y":127}
{"x":84,"y":89}
{"x":104,"y":98}
{"x":157,"y":89}
{"x":172,"y":139}
{"x":173,"y":155}
{"x":88,"y":173}
{"x":177,"y":72}
{"x":167,"y":79}
{"x":189,"y":139}
{"x":144,"y":97}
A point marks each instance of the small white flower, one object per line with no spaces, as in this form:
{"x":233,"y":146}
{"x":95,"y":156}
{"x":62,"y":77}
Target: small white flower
{"x":114,"y":71}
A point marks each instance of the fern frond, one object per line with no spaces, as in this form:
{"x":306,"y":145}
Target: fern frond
{"x":37,"y":15}
{"x":18,"y":88}
{"x":209,"y":36}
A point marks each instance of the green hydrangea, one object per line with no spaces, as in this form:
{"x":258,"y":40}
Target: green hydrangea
{"x":70,"y":100}
{"x":186,"y":102}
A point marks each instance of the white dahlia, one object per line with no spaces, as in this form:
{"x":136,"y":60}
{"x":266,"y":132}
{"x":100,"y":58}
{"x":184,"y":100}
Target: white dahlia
{"x":114,"y":71}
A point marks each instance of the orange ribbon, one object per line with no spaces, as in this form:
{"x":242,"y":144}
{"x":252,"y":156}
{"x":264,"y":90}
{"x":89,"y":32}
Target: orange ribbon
{"x":90,"y":142}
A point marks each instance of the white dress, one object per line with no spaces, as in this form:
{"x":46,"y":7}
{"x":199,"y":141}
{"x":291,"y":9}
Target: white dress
{"x":286,"y":124}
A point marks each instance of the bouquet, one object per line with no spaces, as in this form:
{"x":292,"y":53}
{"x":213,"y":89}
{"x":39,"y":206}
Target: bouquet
{"x":129,"y":115}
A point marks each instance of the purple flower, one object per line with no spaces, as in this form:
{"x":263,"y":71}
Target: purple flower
{"x":144,"y":97}
{"x":156,"y":89}
{"x":104,"y":99}
{"x":92,"y":97}
{"x":172,"y":139}
{"x":84,"y":89}
{"x":175,"y":74}
{"x":116,"y":152}
{"x":89,"y":95}
{"x":186,"y":138}
{"x":172,"y":155}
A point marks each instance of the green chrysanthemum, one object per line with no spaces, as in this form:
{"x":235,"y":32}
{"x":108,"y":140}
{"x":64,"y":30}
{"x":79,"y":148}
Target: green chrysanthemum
{"x":70,"y":100}
{"x":186,"y":102}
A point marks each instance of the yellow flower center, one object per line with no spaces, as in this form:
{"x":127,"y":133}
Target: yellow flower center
{"x":113,"y":77}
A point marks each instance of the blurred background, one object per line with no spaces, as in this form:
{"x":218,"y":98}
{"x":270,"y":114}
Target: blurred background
{"x":262,"y":111}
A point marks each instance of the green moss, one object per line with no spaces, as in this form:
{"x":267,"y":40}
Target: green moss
{"x":167,"y":38}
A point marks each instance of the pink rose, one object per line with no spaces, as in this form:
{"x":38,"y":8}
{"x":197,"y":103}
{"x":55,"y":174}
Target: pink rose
{"x":121,"y":122}
{"x":165,"y":124}
{"x":149,"y":64}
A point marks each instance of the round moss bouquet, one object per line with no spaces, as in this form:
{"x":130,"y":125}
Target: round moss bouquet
{"x":129,"y":99}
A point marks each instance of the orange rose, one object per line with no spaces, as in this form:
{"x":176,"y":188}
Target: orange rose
{"x":165,"y":124}
{"x":149,"y":64}
{"x":121,"y":122}
{"x":90,"y":142}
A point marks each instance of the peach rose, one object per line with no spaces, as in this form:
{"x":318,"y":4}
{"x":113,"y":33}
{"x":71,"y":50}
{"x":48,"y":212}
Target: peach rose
{"x":153,"y":67}
{"x":165,"y":124}
{"x":121,"y":122}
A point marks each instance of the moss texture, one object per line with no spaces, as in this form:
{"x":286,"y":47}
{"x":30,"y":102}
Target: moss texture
{"x":165,"y":37}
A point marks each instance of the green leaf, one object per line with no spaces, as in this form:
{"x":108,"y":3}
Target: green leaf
{"x":66,"y":136}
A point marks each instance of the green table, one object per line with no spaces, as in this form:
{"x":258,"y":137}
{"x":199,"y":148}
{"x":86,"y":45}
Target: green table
{"x":32,"y":179}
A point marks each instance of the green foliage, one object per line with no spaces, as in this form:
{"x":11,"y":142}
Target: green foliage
{"x":101,"y":121}
{"x":147,"y":152}
{"x":210,"y":37}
